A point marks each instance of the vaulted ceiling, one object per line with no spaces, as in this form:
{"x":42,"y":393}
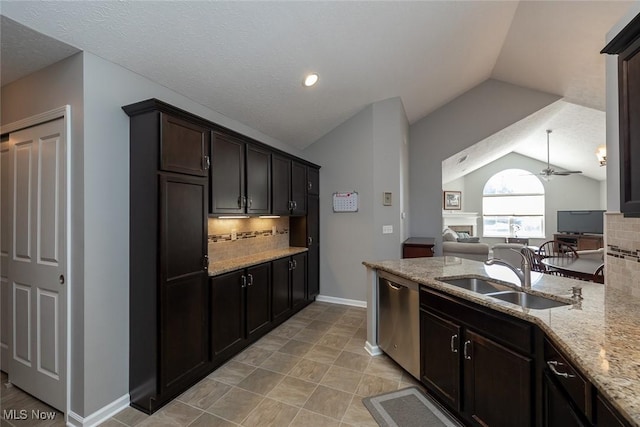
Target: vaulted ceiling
{"x":247,"y":60}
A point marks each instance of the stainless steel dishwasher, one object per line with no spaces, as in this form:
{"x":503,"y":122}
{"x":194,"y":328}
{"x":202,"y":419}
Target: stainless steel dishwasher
{"x":399,"y":321}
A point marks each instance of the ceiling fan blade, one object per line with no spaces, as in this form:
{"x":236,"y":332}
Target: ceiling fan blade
{"x":565,"y":173}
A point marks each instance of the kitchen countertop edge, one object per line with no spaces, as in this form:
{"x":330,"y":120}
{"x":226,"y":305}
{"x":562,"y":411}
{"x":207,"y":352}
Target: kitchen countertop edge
{"x":220,"y":267}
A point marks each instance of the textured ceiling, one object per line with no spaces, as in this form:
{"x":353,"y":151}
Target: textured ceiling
{"x":246,"y":60}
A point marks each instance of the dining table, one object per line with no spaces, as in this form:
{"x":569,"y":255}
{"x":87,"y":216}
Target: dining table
{"x":580,"y":268}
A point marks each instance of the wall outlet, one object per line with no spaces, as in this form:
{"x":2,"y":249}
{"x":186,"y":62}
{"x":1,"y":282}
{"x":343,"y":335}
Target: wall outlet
{"x":387,"y":229}
{"x":234,"y":235}
{"x":274,"y":230}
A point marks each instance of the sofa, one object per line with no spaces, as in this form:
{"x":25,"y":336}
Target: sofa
{"x":463,"y":246}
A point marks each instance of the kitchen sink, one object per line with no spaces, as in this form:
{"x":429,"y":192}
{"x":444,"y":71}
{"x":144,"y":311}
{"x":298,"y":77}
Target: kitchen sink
{"x":476,"y":285}
{"x":527,"y":300}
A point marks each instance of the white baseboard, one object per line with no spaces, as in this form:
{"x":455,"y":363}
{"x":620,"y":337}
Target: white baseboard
{"x":100,"y":415}
{"x":373,"y":350}
{"x":343,"y":301}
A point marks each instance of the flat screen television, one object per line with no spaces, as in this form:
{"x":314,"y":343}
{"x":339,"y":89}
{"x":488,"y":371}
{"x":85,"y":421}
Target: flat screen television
{"x":581,"y":222}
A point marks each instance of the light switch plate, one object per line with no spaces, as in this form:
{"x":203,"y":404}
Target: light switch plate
{"x":386,"y":198}
{"x":387,"y":229}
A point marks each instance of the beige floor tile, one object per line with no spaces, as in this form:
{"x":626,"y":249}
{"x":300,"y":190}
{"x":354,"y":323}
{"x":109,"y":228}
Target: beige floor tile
{"x":131,"y":416}
{"x":296,"y":348}
{"x":319,"y":325}
{"x":309,"y":370}
{"x":339,"y":329}
{"x":358,"y":415}
{"x":292,"y":391}
{"x":370,"y":385}
{"x":261,"y":381}
{"x":353,"y":361}
{"x":355,"y":321}
{"x":342,"y":379}
{"x":204,"y":394}
{"x":111,"y":422}
{"x":307,"y":418}
{"x":286,"y":331}
{"x":356,"y":345}
{"x":328,"y":402}
{"x":235,"y":405}
{"x":271,"y":413}
{"x":271,"y":342}
{"x":232,"y":372}
{"x":280,"y":362}
{"x":362,"y":333}
{"x":209,"y":420}
{"x":322,"y":354}
{"x":329,"y":317}
{"x":174,"y":414}
{"x":295,"y":323}
{"x":253,"y":356}
{"x":300,"y":317}
{"x":383,"y":366}
{"x":339,"y":309}
{"x":309,"y":335}
{"x":334,"y":341}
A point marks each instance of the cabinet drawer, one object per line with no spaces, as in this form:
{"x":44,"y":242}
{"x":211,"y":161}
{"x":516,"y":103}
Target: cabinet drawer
{"x":571,"y":381}
{"x":502,"y":328}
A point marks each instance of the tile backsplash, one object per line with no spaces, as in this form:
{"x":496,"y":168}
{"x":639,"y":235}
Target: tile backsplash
{"x":253,"y":235}
{"x":622,"y":238}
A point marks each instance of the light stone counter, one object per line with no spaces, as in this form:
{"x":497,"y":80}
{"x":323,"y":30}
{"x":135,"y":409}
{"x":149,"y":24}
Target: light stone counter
{"x":601,"y":334}
{"x":217,"y":268}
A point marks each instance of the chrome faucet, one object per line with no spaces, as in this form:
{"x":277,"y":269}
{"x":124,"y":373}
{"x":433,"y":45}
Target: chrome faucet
{"x":523,"y":274}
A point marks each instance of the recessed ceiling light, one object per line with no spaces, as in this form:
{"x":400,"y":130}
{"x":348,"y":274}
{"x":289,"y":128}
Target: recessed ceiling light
{"x":310,"y":80}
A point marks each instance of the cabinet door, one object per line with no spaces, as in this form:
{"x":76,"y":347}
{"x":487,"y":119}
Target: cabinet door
{"x":497,"y":383}
{"x":606,"y":415}
{"x":313,"y":178}
{"x":184,"y":327}
{"x":227,"y":175}
{"x":184,"y":147}
{"x":629,"y":99}
{"x":281,"y":292}
{"x":298,"y":279}
{"x":557,"y":411}
{"x":440,"y":350}
{"x":313,"y":243}
{"x":280,"y":185}
{"x":258,"y":298}
{"x":227,"y":312}
{"x":258,"y":180}
{"x":299,"y":185}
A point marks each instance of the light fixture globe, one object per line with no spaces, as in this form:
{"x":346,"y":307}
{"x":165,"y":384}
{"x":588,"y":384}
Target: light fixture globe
{"x":310,"y":80}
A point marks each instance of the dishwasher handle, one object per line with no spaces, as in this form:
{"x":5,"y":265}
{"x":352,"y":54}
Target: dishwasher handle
{"x":394,"y":286}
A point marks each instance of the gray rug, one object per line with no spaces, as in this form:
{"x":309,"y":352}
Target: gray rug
{"x":408,"y":407}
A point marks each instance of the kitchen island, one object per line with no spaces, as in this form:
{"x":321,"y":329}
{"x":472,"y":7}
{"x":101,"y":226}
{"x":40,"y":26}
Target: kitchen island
{"x":600,"y":333}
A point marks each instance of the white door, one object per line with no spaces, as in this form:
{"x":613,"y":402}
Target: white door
{"x":37,"y":261}
{"x":5,"y":323}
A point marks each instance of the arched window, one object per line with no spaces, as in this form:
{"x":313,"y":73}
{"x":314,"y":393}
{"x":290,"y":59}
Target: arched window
{"x":513,"y":205}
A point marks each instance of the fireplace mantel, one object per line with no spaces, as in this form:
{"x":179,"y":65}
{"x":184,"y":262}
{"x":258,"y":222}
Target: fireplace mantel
{"x":461,"y":221}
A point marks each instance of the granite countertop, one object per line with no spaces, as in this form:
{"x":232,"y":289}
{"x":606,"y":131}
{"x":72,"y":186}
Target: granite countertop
{"x":220,"y":267}
{"x":601,"y":334}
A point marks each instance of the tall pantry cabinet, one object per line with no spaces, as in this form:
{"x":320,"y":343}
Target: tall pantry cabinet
{"x":169,"y":322}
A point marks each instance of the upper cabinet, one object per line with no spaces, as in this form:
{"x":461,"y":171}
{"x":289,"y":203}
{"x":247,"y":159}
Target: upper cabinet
{"x":240,"y":177}
{"x":627,"y":46}
{"x":184,"y":147}
{"x":313,"y":178}
{"x":289,"y":182}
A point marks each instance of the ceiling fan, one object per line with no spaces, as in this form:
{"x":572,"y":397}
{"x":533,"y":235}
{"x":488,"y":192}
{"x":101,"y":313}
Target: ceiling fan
{"x":548,"y":172}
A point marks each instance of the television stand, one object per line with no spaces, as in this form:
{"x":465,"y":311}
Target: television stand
{"x":581,"y":242}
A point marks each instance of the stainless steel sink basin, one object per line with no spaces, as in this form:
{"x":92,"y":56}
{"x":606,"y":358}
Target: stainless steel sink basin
{"x":476,"y":285}
{"x":527,"y":300}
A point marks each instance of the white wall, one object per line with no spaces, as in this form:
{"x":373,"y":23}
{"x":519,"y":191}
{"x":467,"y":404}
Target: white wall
{"x":363,"y":154}
{"x":468,"y":119}
{"x":574,"y":192}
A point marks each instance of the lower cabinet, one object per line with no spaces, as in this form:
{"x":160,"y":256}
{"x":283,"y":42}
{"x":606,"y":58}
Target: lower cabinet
{"x":240,"y":308}
{"x":289,"y":284}
{"x":477,"y":373}
{"x":556,"y":406}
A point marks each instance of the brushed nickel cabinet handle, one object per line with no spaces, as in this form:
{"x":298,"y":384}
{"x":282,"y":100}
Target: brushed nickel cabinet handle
{"x":553,"y":365}
{"x":466,"y":350}
{"x":454,"y":349}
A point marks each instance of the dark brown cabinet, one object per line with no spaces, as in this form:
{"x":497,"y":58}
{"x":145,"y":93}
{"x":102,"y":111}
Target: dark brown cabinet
{"x":298,"y":280}
{"x":240,"y":177}
{"x":470,"y":362}
{"x":313,"y":177}
{"x":289,"y":186}
{"x":557,"y":409}
{"x":240,"y":308}
{"x":168,"y":297}
{"x":418,"y":247}
{"x":627,"y":46}
{"x":281,"y":291}
{"x":313,"y":244}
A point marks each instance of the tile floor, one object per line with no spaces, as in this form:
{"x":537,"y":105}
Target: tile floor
{"x":310,"y":371}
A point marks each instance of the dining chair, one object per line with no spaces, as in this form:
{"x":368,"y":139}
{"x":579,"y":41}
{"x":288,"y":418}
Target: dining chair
{"x":535,"y":262}
{"x":598,"y":276}
{"x":557,"y":248}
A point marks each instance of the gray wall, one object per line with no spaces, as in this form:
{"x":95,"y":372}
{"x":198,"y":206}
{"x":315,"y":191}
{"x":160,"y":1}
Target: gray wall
{"x":96,"y":90}
{"x":573,"y":192}
{"x":468,"y":119}
{"x":363,"y":154}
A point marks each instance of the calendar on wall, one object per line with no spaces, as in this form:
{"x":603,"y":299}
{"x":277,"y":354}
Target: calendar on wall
{"x":345,"y":202}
